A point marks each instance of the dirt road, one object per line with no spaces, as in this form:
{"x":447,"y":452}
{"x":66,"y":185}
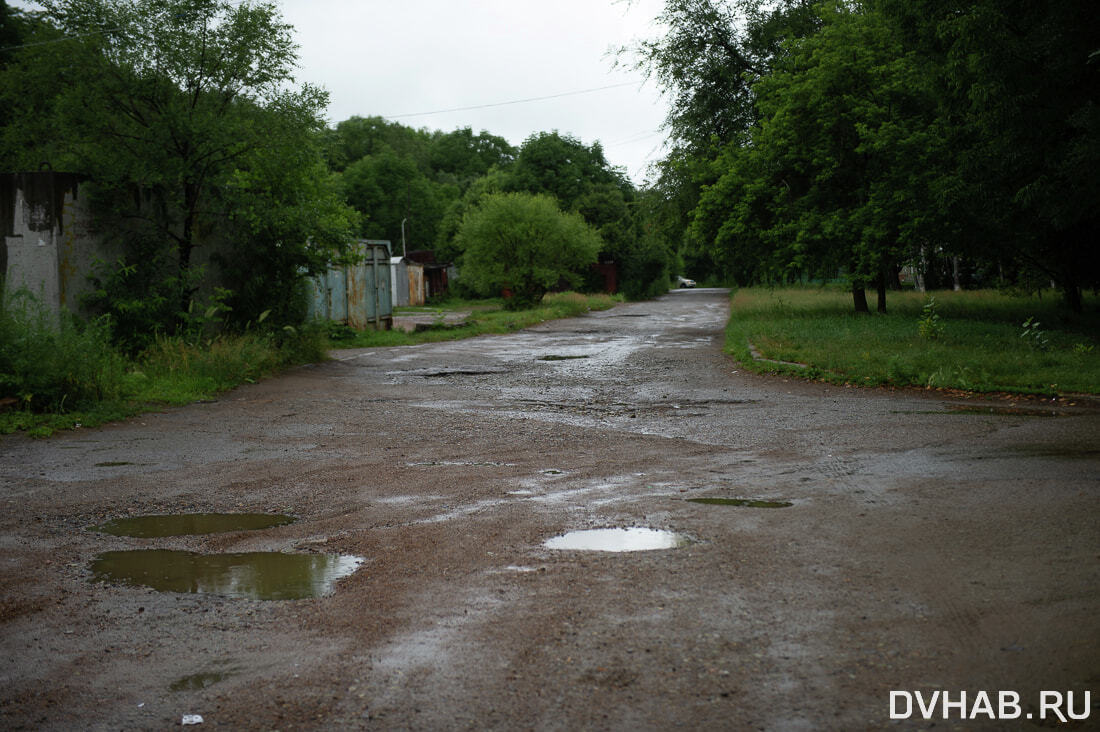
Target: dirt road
{"x":925,"y":549}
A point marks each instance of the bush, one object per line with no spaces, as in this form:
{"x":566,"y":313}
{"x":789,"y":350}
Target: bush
{"x":52,"y":363}
{"x":526,"y":245}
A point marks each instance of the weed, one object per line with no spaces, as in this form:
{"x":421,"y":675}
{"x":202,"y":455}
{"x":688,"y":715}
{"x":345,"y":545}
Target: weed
{"x":930,"y":324}
{"x":52,"y":362}
{"x":1033,"y":335}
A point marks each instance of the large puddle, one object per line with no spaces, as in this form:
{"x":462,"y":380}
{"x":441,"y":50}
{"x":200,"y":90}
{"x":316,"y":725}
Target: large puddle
{"x":191,"y":524}
{"x":746,"y":502}
{"x":618,"y":540}
{"x":252,"y":575}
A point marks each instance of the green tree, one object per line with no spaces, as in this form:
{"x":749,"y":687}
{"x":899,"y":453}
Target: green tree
{"x":710,"y":58}
{"x":178,"y":100}
{"x":389,"y":188}
{"x":525,"y":244}
{"x":462,"y":157}
{"x":357,"y":137}
{"x":563,"y":167}
{"x":1023,"y":81}
{"x":447,"y":246}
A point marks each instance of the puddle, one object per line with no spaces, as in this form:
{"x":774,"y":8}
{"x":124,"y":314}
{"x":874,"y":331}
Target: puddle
{"x":553,"y":471}
{"x":113,"y":464}
{"x":197,"y":682}
{"x":191,"y":524}
{"x":746,"y":502}
{"x":618,"y":540}
{"x":555,"y":357}
{"x":253,"y":575}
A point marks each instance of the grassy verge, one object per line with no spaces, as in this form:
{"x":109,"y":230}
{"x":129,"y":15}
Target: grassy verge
{"x":172,"y":372}
{"x":61,"y":375}
{"x":486,"y":317}
{"x":975,"y":341}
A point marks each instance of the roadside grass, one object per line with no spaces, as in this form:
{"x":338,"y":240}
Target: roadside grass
{"x":487,"y":317}
{"x":979,"y":341}
{"x":59,"y":374}
{"x":174,"y":371}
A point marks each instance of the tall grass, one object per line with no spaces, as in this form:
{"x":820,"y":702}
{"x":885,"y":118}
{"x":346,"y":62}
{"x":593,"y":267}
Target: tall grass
{"x":57,"y":373}
{"x":53,"y":362}
{"x":981,"y":343}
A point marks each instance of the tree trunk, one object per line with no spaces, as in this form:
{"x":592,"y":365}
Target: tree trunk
{"x":187,"y":244}
{"x":957,"y":285}
{"x":880,"y":286}
{"x":1071,"y":291}
{"x":859,"y":297}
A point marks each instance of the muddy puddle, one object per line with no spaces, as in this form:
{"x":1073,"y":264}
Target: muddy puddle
{"x":191,"y":524}
{"x":251,"y":575}
{"x":618,"y":540}
{"x":744,"y":502}
{"x":197,"y":682}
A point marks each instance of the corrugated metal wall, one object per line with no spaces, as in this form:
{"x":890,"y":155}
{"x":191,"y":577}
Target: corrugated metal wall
{"x":359,"y":295}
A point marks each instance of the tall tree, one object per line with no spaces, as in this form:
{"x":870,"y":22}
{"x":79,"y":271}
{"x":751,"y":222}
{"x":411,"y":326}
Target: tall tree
{"x":462,"y":157}
{"x":389,"y":189}
{"x":562,"y":166}
{"x":173,"y":98}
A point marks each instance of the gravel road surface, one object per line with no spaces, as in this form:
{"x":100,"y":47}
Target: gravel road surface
{"x":930,"y":545}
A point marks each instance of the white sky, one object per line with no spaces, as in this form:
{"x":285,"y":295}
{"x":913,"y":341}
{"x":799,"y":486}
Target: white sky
{"x":394,"y":58}
{"x":380,"y":57}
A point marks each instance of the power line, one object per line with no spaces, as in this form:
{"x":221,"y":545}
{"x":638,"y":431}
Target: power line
{"x":514,"y":101}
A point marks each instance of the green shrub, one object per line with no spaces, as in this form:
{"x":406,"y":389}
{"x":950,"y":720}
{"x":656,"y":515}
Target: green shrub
{"x":54,"y":363}
{"x":526,"y":245}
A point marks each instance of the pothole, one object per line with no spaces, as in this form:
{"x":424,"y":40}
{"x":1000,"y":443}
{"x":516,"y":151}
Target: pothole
{"x":251,"y":575}
{"x":746,"y":502}
{"x":113,"y":464}
{"x":191,"y":524}
{"x":197,"y":682}
{"x":618,"y":540}
{"x":558,"y":357}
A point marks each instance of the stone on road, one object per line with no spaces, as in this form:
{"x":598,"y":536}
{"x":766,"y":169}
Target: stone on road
{"x":923,"y":549}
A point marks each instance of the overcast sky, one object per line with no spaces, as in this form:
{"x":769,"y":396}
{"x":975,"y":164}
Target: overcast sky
{"x":406,"y":57}
{"x":411,"y":56}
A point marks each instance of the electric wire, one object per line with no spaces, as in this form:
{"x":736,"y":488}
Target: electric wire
{"x":513,"y":101}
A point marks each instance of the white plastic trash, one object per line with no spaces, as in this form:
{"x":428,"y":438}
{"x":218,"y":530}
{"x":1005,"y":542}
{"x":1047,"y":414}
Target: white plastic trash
{"x":191,"y":719}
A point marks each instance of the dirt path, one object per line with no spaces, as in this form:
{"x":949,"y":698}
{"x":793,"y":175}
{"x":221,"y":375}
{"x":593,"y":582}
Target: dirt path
{"x":924,"y":550}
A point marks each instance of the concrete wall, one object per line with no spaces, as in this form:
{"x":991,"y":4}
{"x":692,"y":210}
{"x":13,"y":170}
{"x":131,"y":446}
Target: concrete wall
{"x":49,"y":246}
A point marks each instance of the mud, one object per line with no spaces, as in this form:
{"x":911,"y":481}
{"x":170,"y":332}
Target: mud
{"x":926,"y":550}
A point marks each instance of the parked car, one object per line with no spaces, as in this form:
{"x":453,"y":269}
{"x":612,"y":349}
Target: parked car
{"x":685,"y":282}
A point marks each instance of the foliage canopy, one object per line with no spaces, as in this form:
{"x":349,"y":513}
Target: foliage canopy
{"x":525,"y":244}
